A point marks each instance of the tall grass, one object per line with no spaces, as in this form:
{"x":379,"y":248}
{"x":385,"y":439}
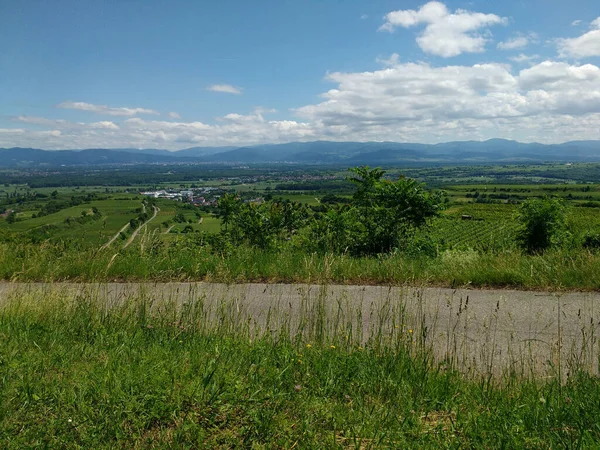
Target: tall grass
{"x":138,"y":371}
{"x":556,"y":269}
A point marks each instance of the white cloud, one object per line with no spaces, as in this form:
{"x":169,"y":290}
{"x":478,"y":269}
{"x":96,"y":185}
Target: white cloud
{"x":514,"y":43}
{"x":575,"y":23}
{"x":364,"y":16}
{"x":104,"y":125}
{"x":550,"y":101}
{"x":522,"y":58}
{"x":418,"y":102}
{"x":174,"y":115}
{"x":105,"y":110}
{"x":65,"y":124}
{"x":12,"y":131}
{"x":390,"y":62}
{"x":446,"y":34}
{"x":226,"y":88}
{"x":583,"y":46}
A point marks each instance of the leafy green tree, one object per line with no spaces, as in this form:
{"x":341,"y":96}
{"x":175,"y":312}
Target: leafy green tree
{"x":228,"y":207}
{"x":390,"y":212}
{"x":542,"y":224}
{"x":12,"y":217}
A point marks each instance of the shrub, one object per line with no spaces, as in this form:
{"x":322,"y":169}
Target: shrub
{"x":591,"y":241}
{"x":543,"y":224}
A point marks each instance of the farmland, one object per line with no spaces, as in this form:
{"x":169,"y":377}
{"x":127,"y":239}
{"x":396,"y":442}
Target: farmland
{"x":102,"y":229}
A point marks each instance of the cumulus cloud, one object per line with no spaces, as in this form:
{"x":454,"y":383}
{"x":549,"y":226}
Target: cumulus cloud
{"x":418,"y":101}
{"x":446,"y":34}
{"x":226,"y":88}
{"x":522,"y":58}
{"x":105,"y":110}
{"x":65,"y":124}
{"x":174,"y":115}
{"x":584,"y":46}
{"x":517,"y":42}
{"x":391,"y":61}
{"x":409,"y":102}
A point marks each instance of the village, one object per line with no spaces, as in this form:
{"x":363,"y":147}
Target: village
{"x":204,"y":196}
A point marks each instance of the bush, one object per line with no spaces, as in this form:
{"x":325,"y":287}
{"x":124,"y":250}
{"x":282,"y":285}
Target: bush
{"x":543,"y":224}
{"x":591,"y":241}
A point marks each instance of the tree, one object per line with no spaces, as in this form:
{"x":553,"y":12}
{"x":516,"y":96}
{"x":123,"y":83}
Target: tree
{"x":390,"y":212}
{"x":12,"y":217}
{"x":542,"y":224}
{"x":229,"y":205}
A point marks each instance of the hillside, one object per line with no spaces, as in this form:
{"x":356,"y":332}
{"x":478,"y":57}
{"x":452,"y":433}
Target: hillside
{"x":319,"y":152}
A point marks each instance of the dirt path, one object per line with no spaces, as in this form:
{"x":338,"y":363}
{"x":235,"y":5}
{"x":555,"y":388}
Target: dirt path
{"x":169,"y":229}
{"x":201,"y":220}
{"x":135,"y":233}
{"x":115,"y":237}
{"x":481,"y":331}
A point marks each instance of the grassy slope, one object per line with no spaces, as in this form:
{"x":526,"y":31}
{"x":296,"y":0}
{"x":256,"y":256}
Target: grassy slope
{"x":182,"y":260}
{"x":73,"y":375}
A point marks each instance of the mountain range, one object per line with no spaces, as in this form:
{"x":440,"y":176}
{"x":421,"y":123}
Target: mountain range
{"x":319,"y":152}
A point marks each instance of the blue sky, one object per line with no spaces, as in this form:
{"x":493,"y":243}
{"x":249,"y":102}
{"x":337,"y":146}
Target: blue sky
{"x":81,"y":74}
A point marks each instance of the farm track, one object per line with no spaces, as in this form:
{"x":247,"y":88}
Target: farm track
{"x":479,"y":330}
{"x":108,"y":244}
{"x":135,"y":233}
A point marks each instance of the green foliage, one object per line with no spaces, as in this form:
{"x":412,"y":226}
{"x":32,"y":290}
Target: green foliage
{"x":78,"y":374}
{"x":591,"y":240}
{"x":260,"y":225}
{"x":381,"y":216}
{"x":543,"y":224}
{"x":390,"y":212}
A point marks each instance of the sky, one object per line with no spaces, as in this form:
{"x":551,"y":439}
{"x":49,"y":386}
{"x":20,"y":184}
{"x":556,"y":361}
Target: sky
{"x":177,"y":74}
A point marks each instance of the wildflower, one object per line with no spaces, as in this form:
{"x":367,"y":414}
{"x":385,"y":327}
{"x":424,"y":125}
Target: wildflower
{"x":299,"y":361}
{"x":70,"y":420}
{"x":542,"y":400}
{"x":333,"y":346}
{"x":410,"y":331}
{"x":308,"y":346}
{"x":181,"y":342}
{"x":360,"y":348}
{"x":297,"y":388}
{"x":396,"y":326}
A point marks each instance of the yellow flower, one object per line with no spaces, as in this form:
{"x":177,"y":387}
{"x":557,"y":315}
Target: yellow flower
{"x":308,"y":346}
{"x":333,"y":346}
{"x":410,"y":331}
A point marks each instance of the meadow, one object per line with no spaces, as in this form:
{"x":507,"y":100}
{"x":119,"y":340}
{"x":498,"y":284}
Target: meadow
{"x":78,"y":371}
{"x":472,"y":241}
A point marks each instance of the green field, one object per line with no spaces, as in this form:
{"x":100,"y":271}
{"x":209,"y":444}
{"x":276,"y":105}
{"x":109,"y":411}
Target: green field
{"x":489,"y":197}
{"x":77,"y":373}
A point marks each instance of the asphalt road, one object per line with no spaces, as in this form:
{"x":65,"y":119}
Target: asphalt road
{"x":480,"y":331}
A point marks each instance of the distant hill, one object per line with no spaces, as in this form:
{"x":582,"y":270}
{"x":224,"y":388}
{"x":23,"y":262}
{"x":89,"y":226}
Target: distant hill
{"x":318,"y":152}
